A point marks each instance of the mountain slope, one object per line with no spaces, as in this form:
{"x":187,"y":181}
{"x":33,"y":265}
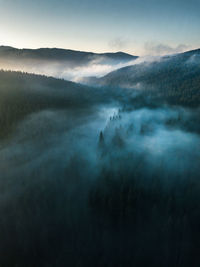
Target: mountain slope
{"x":22,"y":94}
{"x":153,"y":72}
{"x":56,"y":54}
{"x":173,"y":77}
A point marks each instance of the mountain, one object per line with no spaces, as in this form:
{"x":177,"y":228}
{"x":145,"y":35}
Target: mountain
{"x":153,"y":71}
{"x":62,"y":55}
{"x":173,"y":77}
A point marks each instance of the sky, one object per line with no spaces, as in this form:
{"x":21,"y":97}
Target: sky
{"x":147,"y":27}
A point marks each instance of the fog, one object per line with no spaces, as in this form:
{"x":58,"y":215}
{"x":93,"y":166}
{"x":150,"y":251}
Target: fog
{"x":97,"y":67}
{"x":159,"y":137}
{"x":54,"y":162}
{"x":69,"y":70}
{"x":97,"y":176}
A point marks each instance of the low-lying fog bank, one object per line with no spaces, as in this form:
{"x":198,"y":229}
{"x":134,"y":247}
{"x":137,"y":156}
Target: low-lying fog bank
{"x":116,"y":184}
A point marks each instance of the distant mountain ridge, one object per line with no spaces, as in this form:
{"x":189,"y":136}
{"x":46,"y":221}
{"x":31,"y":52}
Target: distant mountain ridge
{"x":60,"y":54}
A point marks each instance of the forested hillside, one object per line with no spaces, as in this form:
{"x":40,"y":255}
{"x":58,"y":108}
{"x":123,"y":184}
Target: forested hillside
{"x":22,"y":94}
{"x":176,"y":79}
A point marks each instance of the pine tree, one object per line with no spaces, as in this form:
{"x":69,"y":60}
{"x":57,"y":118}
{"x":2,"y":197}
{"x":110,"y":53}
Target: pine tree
{"x":101,"y":138}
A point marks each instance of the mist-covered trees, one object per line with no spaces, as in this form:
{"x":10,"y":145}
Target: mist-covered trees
{"x":22,"y":94}
{"x":98,"y":187}
{"x":173,"y":80}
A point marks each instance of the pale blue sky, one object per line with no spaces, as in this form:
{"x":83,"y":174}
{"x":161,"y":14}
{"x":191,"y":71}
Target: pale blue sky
{"x":135,"y":26}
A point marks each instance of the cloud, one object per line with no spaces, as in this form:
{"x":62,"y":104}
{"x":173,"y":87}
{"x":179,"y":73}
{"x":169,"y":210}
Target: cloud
{"x":163,"y":49}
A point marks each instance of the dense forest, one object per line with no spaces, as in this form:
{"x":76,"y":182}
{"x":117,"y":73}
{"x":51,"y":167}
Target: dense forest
{"x":22,"y":94}
{"x":101,"y":175}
